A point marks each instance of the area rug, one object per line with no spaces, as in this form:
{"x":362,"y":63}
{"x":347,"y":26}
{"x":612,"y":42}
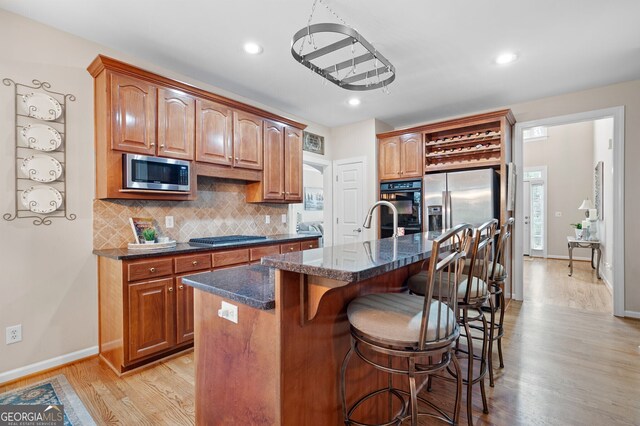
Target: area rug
{"x":52,"y":391}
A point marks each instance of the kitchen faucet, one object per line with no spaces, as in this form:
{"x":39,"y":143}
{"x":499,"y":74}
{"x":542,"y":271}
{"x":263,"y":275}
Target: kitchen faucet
{"x":367,"y":220}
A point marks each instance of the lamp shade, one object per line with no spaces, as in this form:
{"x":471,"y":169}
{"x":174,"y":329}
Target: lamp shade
{"x":586,"y":205}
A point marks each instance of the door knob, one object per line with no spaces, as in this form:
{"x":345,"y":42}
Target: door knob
{"x":357,"y":230}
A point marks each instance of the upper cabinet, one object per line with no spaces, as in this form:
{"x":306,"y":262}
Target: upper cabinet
{"x":282,"y":173}
{"x":214,"y":139}
{"x":400,"y":156}
{"x":133,"y":108}
{"x":176,"y":122}
{"x":140,"y":112}
{"x":247,"y":140}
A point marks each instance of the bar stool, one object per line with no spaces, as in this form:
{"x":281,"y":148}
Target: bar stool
{"x":471,"y":298}
{"x":420,"y":331}
{"x":497,"y":277}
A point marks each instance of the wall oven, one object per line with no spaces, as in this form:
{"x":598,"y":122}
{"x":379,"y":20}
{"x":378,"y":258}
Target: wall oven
{"x":155,"y":173}
{"x":407,"y":197}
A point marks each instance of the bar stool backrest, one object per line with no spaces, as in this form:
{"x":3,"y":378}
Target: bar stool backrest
{"x":503,"y":246}
{"x":448,"y":254}
{"x":480,"y":259}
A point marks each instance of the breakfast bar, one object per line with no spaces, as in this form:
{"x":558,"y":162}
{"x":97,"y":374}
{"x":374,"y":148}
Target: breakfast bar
{"x":280,"y":362}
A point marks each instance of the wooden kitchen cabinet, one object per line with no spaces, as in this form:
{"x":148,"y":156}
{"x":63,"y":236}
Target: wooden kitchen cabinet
{"x":247,"y":140}
{"x":150,"y":313}
{"x":282,"y":173}
{"x":293,"y":164}
{"x":214,"y":138}
{"x":176,"y":122}
{"x":400,"y":156}
{"x":146,"y":313}
{"x":133,"y":112}
{"x":184,"y":312}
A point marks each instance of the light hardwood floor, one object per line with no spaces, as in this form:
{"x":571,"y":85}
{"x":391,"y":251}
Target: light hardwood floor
{"x":564,"y":366}
{"x":547,"y":282}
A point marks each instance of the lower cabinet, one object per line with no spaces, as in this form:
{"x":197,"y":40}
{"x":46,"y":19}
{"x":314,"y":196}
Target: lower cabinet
{"x":146,"y":313}
{"x":151,"y":324}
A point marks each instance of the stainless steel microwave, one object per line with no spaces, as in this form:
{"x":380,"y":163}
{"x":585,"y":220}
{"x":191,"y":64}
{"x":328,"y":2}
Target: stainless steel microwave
{"x":156,"y":173}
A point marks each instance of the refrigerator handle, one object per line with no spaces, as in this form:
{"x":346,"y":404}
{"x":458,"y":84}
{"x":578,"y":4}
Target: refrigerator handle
{"x":449,"y":209}
{"x":445,"y":211}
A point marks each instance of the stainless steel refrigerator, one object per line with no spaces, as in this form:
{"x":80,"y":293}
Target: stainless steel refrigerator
{"x":471,"y":196}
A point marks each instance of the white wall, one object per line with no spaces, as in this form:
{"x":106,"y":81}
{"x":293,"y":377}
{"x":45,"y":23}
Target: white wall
{"x":48,"y":274}
{"x":602,"y":140}
{"x":568,"y":154}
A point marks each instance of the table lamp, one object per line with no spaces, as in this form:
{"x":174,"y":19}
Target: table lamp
{"x":586,"y":206}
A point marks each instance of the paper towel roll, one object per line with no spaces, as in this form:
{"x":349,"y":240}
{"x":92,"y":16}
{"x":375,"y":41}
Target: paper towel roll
{"x":593,"y":214}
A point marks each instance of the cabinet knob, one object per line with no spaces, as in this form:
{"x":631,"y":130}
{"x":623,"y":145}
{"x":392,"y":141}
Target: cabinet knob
{"x":194,"y":263}
{"x":290,"y":248}
{"x":230,"y":158}
{"x":170,"y":288}
{"x":162,"y":146}
{"x":153,"y":144}
{"x":237,"y":159}
{"x":181,"y":287}
{"x":152,"y":269}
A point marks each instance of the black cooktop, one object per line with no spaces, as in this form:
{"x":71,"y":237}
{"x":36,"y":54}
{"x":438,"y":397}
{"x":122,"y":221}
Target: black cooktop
{"x":227,"y":239}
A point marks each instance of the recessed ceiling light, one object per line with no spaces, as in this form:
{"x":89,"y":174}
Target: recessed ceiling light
{"x":252,"y":48}
{"x":506,"y":58}
{"x":354,"y":101}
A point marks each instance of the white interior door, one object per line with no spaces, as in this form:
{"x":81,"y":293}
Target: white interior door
{"x":349,"y":201}
{"x":526,"y":223}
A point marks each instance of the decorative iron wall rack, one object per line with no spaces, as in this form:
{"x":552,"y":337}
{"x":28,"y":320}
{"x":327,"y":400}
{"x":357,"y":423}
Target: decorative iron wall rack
{"x":40,"y":153}
{"x":380,"y":72}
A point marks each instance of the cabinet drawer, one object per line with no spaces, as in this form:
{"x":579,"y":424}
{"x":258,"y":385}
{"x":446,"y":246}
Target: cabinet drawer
{"x":231,"y":257}
{"x":307,"y":245}
{"x":259,"y":252}
{"x":149,"y":269}
{"x":196,"y":262}
{"x":290,"y":247}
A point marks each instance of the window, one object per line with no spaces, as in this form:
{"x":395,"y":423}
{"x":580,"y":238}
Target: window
{"x":537,"y":215}
{"x":532,"y":174}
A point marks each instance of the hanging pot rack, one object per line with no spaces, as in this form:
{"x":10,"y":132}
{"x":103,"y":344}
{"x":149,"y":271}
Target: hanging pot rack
{"x":379,"y":72}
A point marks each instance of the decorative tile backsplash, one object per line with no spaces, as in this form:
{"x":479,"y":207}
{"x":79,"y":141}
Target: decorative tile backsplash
{"x":220,"y":209}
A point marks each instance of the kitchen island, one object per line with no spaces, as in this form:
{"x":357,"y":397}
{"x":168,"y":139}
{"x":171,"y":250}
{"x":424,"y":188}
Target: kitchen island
{"x":280,"y":363}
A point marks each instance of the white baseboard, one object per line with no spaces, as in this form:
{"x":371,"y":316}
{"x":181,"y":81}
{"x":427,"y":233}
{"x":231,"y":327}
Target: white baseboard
{"x":47,"y":364}
{"x":632,"y":314}
{"x":606,"y":283}
{"x":561,"y":257}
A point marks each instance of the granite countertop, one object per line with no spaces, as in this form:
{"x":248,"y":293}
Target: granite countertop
{"x":252,"y":285}
{"x":184,"y":248}
{"x":357,"y":261}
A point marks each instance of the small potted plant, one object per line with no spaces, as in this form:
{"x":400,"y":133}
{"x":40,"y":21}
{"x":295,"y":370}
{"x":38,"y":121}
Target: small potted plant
{"x":149,"y":235}
{"x":578,"y":228}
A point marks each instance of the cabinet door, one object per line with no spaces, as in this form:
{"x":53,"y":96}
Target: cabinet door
{"x":213,"y":133}
{"x":176,"y":120}
{"x":273,"y":175}
{"x":151,"y":326}
{"x":389,"y":158}
{"x":411,"y":157}
{"x":184,"y":312}
{"x":292,"y":164}
{"x":133,"y":111}
{"x":247,"y":140}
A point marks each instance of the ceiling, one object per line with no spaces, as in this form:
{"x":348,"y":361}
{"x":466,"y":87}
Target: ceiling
{"x":443,"y":51}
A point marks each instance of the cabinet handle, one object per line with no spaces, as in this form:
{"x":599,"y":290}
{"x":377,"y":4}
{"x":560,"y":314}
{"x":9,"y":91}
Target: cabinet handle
{"x":162,"y":146}
{"x":194,"y":263}
{"x":230,"y":158}
{"x":237,"y":159}
{"x":152,"y":269}
{"x":290,"y":248}
{"x":170,"y":288}
{"x":153,"y":144}
{"x":181,"y":287}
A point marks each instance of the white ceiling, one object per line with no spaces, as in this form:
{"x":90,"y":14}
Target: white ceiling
{"x":443,"y":51}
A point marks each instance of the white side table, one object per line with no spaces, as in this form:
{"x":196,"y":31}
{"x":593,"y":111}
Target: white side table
{"x":594,"y":245}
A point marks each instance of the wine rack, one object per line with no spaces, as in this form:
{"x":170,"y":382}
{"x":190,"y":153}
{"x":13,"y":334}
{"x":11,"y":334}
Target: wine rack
{"x":463,"y":148}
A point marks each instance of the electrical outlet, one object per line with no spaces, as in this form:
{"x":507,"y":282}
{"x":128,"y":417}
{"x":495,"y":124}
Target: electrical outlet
{"x":168,"y":222}
{"x":284,"y":218}
{"x":14,"y":334}
{"x":267,"y":219}
{"x":228,"y":312}
{"x":558,"y":214}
